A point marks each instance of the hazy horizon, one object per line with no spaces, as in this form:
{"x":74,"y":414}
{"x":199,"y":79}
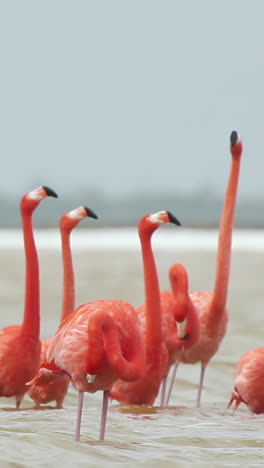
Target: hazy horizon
{"x":201,"y":209}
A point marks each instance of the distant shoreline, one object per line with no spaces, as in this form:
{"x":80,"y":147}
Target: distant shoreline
{"x":127,"y":238}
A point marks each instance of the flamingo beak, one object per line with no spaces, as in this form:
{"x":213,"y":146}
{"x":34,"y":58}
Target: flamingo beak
{"x":91,"y":378}
{"x":181,"y":326}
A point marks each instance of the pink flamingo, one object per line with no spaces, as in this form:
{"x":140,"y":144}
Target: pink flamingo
{"x":101,"y":341}
{"x":249,"y":378}
{"x":19,"y":344}
{"x":180,"y":329}
{"x":211,"y":307}
{"x":180,"y":321}
{"x":145,"y":390}
{"x":57,"y":388}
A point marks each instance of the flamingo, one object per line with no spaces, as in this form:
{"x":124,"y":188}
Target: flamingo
{"x":19,"y":344}
{"x":211,"y":307}
{"x":145,"y":390}
{"x":180,"y":329}
{"x":57,"y":388}
{"x":101,"y":341}
{"x":249,"y":377}
{"x":180,"y":321}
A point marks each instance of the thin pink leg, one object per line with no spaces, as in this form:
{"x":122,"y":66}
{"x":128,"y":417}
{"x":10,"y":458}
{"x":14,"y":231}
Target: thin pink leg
{"x":173,"y":377}
{"x":79,"y":417}
{"x":104,"y":414}
{"x":200,"y":386}
{"x":163,"y":391}
{"x":237,"y":403}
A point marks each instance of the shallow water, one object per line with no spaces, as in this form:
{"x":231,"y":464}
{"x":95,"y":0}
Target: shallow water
{"x":181,"y":435}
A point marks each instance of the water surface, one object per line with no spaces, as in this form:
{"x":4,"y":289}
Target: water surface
{"x":108,"y":265}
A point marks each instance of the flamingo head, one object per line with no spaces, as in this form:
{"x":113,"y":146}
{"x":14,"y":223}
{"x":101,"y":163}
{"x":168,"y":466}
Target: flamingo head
{"x":70,"y":219}
{"x":178,"y":279}
{"x":236,"y":146}
{"x":31,"y":200}
{"x":149,"y":223}
{"x":44,"y":376}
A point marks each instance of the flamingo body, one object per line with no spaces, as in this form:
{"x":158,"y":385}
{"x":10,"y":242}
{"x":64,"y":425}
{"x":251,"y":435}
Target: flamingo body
{"x":211,"y":333}
{"x":249,"y":378}
{"x":54,"y":388}
{"x":14,"y":372}
{"x":78,"y":347}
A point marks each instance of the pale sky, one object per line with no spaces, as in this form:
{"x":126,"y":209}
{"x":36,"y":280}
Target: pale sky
{"x":132,"y":95}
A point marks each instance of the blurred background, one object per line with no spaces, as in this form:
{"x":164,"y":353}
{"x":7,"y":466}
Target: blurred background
{"x":127,"y":107}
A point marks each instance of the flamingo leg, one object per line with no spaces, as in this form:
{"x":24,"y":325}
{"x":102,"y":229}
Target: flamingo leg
{"x":79,"y":417}
{"x":104,"y":415}
{"x":200,"y":385}
{"x":237,"y":403}
{"x":18,"y":404}
{"x":173,"y":377}
{"x":163,"y":391}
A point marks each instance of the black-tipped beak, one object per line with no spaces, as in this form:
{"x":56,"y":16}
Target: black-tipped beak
{"x":185,"y":337}
{"x":49,"y":192}
{"x":233,"y":138}
{"x":90,"y":213}
{"x":173,"y":219}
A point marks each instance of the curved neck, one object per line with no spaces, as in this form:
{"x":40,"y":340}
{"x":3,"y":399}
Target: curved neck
{"x":225,"y":240}
{"x":185,"y":308}
{"x":193,"y":324}
{"x":68,"y":297}
{"x":180,"y":286}
{"x":152,"y":300}
{"x":102,"y":326}
{"x":31,"y":323}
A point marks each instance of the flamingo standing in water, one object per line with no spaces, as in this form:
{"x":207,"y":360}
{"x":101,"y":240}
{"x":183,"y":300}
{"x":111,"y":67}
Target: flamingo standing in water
{"x":57,"y":388}
{"x":180,"y":320}
{"x":249,"y":378}
{"x":19,"y":344}
{"x":179,"y":330}
{"x":211,"y":307}
{"x":101,"y":341}
{"x":145,"y":390}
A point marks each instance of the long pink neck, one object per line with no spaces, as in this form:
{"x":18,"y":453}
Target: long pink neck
{"x":152,"y":301}
{"x":225,"y":241}
{"x":31,"y":323}
{"x":102,"y":326}
{"x":180,"y":286}
{"x":68,"y":299}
